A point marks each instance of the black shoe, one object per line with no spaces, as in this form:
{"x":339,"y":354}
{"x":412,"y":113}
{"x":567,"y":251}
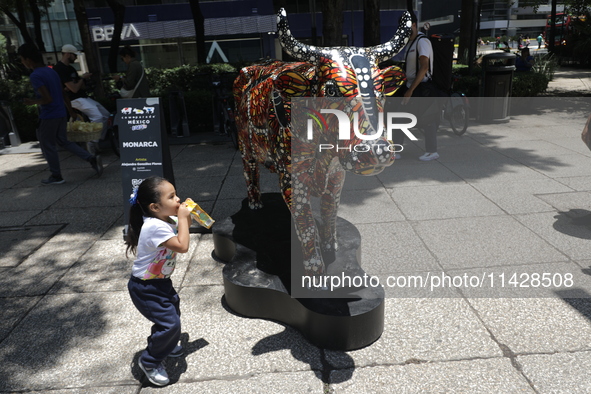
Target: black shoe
{"x":97,"y":164}
{"x":53,"y":180}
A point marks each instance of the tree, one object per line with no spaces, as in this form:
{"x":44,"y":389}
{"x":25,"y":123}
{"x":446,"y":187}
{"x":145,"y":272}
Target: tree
{"x":119,"y":17}
{"x":33,"y":6}
{"x":199,"y":24}
{"x":9,"y":7}
{"x":332,"y":22}
{"x":91,"y":57}
{"x":467,"y":26}
{"x":371,"y":23}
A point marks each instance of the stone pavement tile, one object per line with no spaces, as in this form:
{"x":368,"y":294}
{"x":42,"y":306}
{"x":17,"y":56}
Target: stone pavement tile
{"x":17,"y":218}
{"x":83,"y":224}
{"x":90,"y":275}
{"x":495,"y":375}
{"x":19,"y":242}
{"x":559,"y":166}
{"x":520,"y":197}
{"x":558,"y":373}
{"x":442,"y":202}
{"x":393,"y":247}
{"x":564,"y":202}
{"x":116,"y":230}
{"x":360,"y":182}
{"x":92,"y":194}
{"x":229,"y":345}
{"x":546,"y":280}
{"x":417,"y":173}
{"x":368,"y":206}
{"x":559,"y":231}
{"x":199,"y":188}
{"x":422,"y":329}
{"x":484,"y":242}
{"x":13,"y":179}
{"x":226,"y":208}
{"x":489,"y":134}
{"x":578,"y":183}
{"x":39,"y":197}
{"x":235,"y":186}
{"x":575,"y":143}
{"x":277,"y":382}
{"x":39,"y":272}
{"x":22,"y":162}
{"x":13,"y":310}
{"x":197,"y":169}
{"x":202,"y":269}
{"x":117,"y":389}
{"x":530,"y":149}
{"x":206,"y":153}
{"x":501,"y":170}
{"x":474,"y":153}
{"x":537,"y":325}
{"x":75,"y":340}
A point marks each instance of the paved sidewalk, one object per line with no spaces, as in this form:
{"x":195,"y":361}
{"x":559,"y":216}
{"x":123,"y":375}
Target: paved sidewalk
{"x":502,"y":197}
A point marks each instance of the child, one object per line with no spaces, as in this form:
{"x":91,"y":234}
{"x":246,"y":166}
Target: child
{"x":52,"y":117}
{"x":158,"y":230}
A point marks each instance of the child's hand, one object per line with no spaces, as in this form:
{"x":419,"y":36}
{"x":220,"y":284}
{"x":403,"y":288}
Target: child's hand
{"x":184,"y":213}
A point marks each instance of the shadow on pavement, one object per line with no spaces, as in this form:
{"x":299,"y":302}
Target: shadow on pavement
{"x":575,"y":222}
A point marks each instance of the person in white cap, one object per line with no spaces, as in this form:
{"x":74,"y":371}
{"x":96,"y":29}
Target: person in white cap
{"x":75,"y":88}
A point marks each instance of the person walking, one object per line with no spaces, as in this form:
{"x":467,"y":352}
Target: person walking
{"x":53,"y":116}
{"x":419,"y":73}
{"x":540,"y":39}
{"x":75,"y":90}
{"x":135,"y":80}
{"x":158,"y":229}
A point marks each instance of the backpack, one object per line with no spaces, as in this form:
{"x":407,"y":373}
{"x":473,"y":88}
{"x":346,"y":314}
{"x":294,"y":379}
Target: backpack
{"x":443,"y":53}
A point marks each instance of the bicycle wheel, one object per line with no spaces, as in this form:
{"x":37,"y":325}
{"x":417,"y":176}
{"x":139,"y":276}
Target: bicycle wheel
{"x":459,"y":119}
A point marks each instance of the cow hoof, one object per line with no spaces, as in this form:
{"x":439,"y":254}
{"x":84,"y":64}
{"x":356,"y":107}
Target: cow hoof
{"x":255,"y":205}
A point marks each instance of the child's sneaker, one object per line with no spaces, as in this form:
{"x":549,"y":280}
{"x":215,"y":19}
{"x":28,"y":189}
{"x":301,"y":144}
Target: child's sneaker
{"x":429,"y":156}
{"x":157,"y":376}
{"x":177,"y":352}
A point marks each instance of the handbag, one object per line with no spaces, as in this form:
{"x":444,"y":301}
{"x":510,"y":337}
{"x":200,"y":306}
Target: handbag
{"x":129,"y":93}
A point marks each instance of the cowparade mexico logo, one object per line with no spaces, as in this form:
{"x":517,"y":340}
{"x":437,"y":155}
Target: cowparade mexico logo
{"x":346,"y":122}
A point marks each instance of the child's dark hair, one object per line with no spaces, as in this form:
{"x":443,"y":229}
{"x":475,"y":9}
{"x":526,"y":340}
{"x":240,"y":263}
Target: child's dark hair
{"x":147,"y":193}
{"x":126,"y":50}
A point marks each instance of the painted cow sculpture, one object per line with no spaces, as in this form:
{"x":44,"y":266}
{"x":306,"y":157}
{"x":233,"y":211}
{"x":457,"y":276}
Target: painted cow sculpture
{"x":263,"y":94}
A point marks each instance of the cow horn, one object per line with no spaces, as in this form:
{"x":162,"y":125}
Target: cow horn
{"x":387,"y":50}
{"x":296,"y":49}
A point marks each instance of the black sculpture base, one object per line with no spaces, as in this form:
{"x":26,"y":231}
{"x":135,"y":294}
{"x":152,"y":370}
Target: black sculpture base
{"x":256,"y":245}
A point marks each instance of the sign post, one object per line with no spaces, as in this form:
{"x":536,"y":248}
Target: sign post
{"x":144,"y":145}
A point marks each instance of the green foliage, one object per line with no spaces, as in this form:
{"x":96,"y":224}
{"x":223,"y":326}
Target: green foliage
{"x":26,"y":118}
{"x":546,"y":65}
{"x":529,"y":84}
{"x":186,"y":78}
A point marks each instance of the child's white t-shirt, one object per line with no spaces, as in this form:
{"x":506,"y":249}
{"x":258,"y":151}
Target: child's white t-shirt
{"x":155,"y":261}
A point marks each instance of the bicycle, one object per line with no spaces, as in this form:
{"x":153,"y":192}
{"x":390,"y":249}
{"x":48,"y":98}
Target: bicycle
{"x":223,"y":109}
{"x":457,"y":110}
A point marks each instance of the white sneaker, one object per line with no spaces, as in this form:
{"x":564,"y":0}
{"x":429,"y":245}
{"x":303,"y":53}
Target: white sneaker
{"x":397,"y":156}
{"x":429,"y":156}
{"x":157,"y":376}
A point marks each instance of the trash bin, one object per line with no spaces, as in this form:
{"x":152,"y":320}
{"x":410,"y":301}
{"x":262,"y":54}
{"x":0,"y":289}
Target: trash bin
{"x":495,"y":90}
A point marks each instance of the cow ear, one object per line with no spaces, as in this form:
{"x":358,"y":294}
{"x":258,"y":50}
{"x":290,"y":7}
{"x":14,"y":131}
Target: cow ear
{"x":394,"y":78}
{"x":293,"y":84}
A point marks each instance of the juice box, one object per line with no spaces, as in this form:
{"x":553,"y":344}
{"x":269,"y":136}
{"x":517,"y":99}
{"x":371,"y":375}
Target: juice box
{"x":199,"y":214}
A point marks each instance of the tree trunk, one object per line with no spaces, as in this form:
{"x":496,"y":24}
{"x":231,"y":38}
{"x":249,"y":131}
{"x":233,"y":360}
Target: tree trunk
{"x":37,"y":23}
{"x":371,"y":23}
{"x":332,"y":22}
{"x":552,"y":39}
{"x":119,"y":16}
{"x":467,"y":24}
{"x":22,"y":26}
{"x":92,"y":59}
{"x":199,"y":23}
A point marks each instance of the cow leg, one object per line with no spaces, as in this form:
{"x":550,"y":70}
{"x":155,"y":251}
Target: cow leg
{"x":251,"y":173}
{"x":298,"y":202}
{"x":329,"y":204}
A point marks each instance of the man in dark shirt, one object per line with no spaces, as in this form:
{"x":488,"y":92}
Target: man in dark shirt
{"x":75,"y":88}
{"x":52,"y":117}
